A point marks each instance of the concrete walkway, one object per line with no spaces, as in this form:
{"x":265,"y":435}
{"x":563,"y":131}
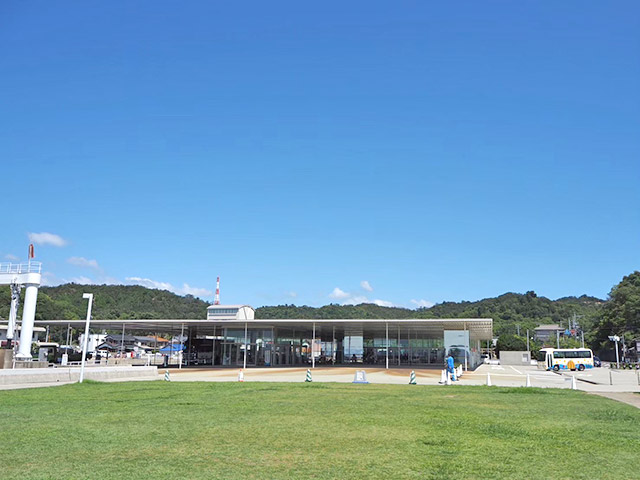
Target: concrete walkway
{"x":31,"y":377}
{"x":632,"y":399}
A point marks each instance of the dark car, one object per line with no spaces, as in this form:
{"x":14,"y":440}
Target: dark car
{"x":597,"y":362}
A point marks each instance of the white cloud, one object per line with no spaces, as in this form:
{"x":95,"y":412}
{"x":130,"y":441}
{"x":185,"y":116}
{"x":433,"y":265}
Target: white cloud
{"x":366,"y":285}
{"x":384,"y":303}
{"x":147,"y":282}
{"x":339,"y":294}
{"x":195,"y":291}
{"x":291,"y":294}
{"x":83,"y":262}
{"x":82,"y":280}
{"x":9,"y":256}
{"x":50,"y":279}
{"x":422,"y":303}
{"x":46,"y":238}
{"x":186,"y":289}
{"x":356,"y":300}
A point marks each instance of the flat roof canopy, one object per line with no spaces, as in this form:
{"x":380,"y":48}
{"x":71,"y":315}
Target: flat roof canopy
{"x":479,"y":328}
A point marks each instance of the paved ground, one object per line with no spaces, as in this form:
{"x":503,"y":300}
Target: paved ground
{"x":615,"y":384}
{"x":500,"y":376}
{"x":632,"y":399}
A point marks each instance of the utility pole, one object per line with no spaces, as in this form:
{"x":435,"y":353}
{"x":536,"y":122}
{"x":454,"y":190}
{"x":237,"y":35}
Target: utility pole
{"x":518,"y":328}
{"x":528,"y":349}
{"x":558,"y":339}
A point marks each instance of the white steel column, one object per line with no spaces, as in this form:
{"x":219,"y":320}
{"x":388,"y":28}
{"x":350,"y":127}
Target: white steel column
{"x":398,"y":344}
{"x":122,"y":342}
{"x":333,"y":345}
{"x":28,"y":317}
{"x":313,"y":341}
{"x":180,"y":353}
{"x":467,"y":345}
{"x":88,"y":296}
{"x":387,"y":325}
{"x":213,"y":351}
{"x":245,"y":346}
{"x":13,"y":311}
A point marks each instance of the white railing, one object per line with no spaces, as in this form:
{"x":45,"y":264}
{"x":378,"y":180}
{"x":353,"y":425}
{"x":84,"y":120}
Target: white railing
{"x":31,"y":267}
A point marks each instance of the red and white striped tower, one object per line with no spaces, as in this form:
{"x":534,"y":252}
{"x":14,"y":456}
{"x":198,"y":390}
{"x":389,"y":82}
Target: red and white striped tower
{"x":217,"y":298}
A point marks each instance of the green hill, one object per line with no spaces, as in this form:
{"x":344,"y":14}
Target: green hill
{"x":65,"y":302}
{"x":119,"y":301}
{"x":508,"y":311}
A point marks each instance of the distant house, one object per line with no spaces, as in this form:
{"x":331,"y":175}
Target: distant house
{"x":115,"y":342}
{"x":544,"y":333}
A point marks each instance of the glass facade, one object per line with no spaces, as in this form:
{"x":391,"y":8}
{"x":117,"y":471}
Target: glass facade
{"x":293,"y":346}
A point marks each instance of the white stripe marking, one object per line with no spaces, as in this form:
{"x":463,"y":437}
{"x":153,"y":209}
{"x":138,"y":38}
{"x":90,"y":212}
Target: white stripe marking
{"x":515,"y":369}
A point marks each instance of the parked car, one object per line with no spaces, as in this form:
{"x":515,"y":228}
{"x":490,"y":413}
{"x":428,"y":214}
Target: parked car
{"x":597,"y":362}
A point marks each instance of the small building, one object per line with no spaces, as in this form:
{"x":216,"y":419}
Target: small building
{"x":544,"y":333}
{"x":230,"y":312}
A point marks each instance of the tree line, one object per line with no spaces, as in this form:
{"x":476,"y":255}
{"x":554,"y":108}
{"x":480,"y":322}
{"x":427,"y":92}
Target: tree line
{"x":512,"y":313}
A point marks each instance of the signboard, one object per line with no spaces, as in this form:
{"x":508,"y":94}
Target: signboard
{"x":456,"y":338}
{"x":317,"y":347}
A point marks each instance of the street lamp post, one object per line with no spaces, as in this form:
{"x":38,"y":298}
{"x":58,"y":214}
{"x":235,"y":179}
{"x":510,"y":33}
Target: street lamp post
{"x":88,"y":296}
{"x":616,"y":338}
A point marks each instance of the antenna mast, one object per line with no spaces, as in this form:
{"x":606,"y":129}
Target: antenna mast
{"x":217,"y":298}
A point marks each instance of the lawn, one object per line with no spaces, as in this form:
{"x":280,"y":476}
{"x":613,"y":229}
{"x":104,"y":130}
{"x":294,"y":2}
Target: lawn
{"x":162,"y":430}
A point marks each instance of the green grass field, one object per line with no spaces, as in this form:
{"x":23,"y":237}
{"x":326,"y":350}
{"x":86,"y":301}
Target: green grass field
{"x":161,"y":430}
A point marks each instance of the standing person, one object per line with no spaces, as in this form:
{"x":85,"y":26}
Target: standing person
{"x":450,"y":367}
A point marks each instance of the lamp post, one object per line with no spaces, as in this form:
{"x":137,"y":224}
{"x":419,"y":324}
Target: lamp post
{"x":616,"y":338}
{"x":88,"y":296}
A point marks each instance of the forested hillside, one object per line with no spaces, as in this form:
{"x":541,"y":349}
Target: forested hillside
{"x":65,"y":302}
{"x":509,"y":311}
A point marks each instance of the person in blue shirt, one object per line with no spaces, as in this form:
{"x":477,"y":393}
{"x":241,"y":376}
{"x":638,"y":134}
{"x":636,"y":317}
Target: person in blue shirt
{"x":450,"y":367}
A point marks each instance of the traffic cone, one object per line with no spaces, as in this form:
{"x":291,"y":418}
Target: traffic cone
{"x":528,"y":384}
{"x":448,"y":382}
{"x":459,"y":371}
{"x":241,"y":376}
{"x":308,"y":379}
{"x":166,"y":376}
{"x":412,"y":378}
{"x":488,"y":380}
{"x":443,"y":377}
{"x":574,"y":386}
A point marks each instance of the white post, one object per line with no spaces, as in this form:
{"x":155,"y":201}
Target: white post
{"x":28,"y":317}
{"x":387,"y":359}
{"x":466,"y":347}
{"x":181,"y":347}
{"x":333,"y":345}
{"x":313,"y":341}
{"x":617,"y":358}
{"x":245,"y":346}
{"x":122,"y":343}
{"x":398,"y":344}
{"x":89,"y":296}
{"x":213,"y":351}
{"x":13,"y":311}
{"x":528,"y":349}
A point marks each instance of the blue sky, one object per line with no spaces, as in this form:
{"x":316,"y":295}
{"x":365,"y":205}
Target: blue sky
{"x":435,"y":151}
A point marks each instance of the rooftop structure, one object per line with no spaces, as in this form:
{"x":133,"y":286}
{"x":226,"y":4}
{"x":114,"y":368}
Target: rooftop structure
{"x":230,"y":312}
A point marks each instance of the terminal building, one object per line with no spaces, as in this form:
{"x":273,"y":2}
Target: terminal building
{"x":231,"y":336}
